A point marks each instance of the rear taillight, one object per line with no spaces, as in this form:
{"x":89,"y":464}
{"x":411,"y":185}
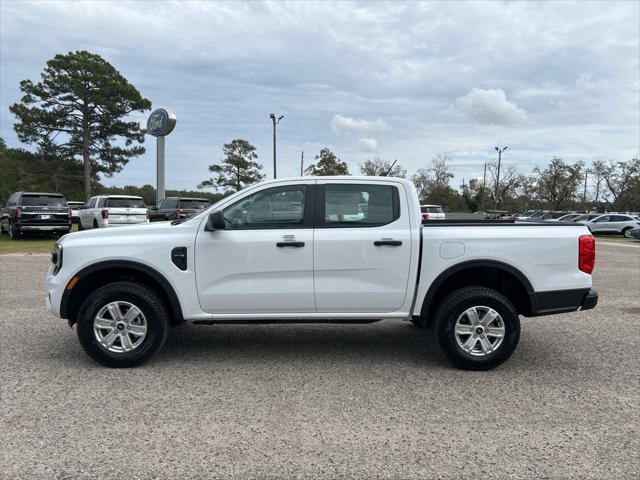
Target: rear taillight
{"x":148,"y":214}
{"x":18,"y":213}
{"x":177,"y":214}
{"x":425,"y":216}
{"x":69,"y":214}
{"x":586,"y":253}
{"x":105,"y":213}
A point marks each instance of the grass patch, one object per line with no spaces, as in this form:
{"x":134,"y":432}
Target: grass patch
{"x":29,"y":244}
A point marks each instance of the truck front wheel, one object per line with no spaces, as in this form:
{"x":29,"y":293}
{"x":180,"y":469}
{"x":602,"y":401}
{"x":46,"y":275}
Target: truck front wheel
{"x":122,"y":324}
{"x":478,"y":328}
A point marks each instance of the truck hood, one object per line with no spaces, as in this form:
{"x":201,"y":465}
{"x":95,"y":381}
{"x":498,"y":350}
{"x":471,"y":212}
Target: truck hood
{"x":142,"y":232}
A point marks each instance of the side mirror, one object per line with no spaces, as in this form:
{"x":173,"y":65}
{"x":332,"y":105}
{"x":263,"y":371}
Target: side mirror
{"x":153,"y":209}
{"x":215,"y":221}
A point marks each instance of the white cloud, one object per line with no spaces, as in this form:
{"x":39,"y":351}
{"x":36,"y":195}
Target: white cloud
{"x":491,"y":107}
{"x":343,"y":124}
{"x":368,"y":144}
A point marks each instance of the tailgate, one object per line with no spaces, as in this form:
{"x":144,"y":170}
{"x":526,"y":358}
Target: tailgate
{"x":127,"y":215}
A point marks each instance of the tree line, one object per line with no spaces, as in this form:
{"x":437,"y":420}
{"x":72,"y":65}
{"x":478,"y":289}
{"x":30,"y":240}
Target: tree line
{"x":77,"y":117}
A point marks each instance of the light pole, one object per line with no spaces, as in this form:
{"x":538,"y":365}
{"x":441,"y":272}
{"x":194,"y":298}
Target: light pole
{"x":495,"y":195}
{"x":275,"y":122}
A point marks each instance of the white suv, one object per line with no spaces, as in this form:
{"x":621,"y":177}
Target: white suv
{"x":112,"y":211}
{"x":432,"y":212}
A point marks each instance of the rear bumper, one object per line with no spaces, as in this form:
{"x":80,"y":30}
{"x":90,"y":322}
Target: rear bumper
{"x":43,"y":228}
{"x":561,"y":301}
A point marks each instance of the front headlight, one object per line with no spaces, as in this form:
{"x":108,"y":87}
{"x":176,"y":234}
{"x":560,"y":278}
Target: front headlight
{"x":56,"y":258}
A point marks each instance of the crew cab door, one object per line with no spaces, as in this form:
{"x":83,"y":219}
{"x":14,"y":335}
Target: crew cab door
{"x":262,"y":261}
{"x":362,"y":251}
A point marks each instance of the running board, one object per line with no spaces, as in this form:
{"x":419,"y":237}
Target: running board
{"x":283,"y":321}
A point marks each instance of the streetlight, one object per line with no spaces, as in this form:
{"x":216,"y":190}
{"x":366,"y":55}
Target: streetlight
{"x":275,"y":122}
{"x":495,"y":196}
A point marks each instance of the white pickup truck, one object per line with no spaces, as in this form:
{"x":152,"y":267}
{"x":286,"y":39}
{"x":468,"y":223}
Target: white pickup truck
{"x":319,"y":249}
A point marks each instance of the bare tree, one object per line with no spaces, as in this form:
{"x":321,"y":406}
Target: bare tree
{"x":598,"y":168}
{"x":379,"y":167}
{"x":508,"y":182}
{"x":558,"y":183}
{"x":622,"y":181}
{"x":433,"y":183}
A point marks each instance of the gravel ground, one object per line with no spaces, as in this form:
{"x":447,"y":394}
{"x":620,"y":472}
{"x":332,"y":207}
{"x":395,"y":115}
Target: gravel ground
{"x":322,"y":401}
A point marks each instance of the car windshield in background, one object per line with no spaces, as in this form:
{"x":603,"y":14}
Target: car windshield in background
{"x":194,"y":204}
{"x":125,"y":203}
{"x":43,"y":201}
{"x":431,"y":210}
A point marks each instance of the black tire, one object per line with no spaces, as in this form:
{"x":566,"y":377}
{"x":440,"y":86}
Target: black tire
{"x":95,"y":223}
{"x":80,"y":227}
{"x":454,"y":305}
{"x":147,"y":301}
{"x":419,"y":322}
{"x":625,"y":232}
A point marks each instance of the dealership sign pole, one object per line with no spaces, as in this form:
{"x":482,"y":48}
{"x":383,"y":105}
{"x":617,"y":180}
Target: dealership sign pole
{"x":160,"y":124}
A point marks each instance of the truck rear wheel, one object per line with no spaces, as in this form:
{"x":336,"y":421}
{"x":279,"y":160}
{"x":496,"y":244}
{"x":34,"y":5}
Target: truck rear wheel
{"x":122,"y":324}
{"x":478,"y":328}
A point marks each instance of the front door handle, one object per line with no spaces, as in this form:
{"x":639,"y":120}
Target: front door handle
{"x":290,"y":244}
{"x":391,"y":243}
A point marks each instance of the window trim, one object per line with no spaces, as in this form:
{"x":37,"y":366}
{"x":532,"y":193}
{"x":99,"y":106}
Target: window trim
{"x":307,"y":214}
{"x":320,"y":206}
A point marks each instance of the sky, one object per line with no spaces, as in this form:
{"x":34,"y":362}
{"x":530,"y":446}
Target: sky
{"x":399,"y":80}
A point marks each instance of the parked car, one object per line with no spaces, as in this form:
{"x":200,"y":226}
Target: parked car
{"x":432,"y":212}
{"x":75,"y":206}
{"x":612,"y":223}
{"x":104,"y":211}
{"x":551,"y":216}
{"x":585,"y":217}
{"x":35,"y":212}
{"x":260,"y":258}
{"x":567,"y":217}
{"x":175,"y":208}
{"x":633,"y":233}
{"x":527,"y":215}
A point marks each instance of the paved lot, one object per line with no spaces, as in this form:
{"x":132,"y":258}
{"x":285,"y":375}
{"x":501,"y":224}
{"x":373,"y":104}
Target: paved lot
{"x":300,"y":401}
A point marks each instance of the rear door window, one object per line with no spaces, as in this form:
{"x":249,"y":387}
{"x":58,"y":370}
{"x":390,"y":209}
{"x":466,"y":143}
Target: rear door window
{"x":360,"y":205}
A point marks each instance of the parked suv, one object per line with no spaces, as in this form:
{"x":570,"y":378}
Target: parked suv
{"x":432,"y":212}
{"x":175,"y":208}
{"x":75,"y":206}
{"x":612,"y":223}
{"x":104,"y":211}
{"x":35,"y":212}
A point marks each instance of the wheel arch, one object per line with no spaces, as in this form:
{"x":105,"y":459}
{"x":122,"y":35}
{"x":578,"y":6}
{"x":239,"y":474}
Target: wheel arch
{"x":494,"y":274}
{"x":103,"y":273}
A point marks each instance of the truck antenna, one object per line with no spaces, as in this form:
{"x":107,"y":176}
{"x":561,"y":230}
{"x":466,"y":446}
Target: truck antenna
{"x":386,"y":174}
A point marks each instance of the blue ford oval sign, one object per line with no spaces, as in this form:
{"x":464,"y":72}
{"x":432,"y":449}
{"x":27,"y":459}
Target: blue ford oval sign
{"x":161,"y":123}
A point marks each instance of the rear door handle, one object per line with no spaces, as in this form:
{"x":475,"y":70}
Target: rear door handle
{"x":391,"y":243}
{"x":290,"y":244}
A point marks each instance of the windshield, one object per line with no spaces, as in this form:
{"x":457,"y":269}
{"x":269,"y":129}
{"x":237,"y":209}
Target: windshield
{"x":431,"y":210}
{"x":43,"y":201}
{"x":197,"y":204}
{"x":125,"y":203}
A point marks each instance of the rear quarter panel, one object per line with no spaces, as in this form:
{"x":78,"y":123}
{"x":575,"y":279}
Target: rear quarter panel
{"x":546,"y":255}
